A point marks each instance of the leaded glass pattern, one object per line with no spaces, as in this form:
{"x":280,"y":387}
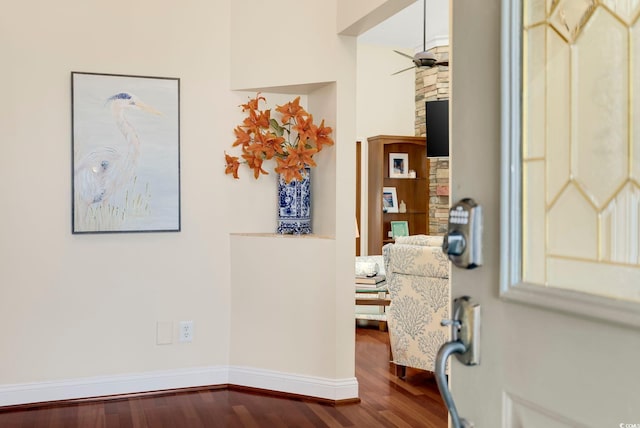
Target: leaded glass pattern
{"x":581,"y":149}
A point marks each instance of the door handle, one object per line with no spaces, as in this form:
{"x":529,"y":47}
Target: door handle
{"x":465,"y":344}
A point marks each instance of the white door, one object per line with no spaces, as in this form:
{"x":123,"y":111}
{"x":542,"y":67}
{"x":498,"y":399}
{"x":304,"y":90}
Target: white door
{"x":560,"y":336}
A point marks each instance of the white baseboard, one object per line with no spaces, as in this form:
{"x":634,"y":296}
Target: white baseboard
{"x":330,"y":389}
{"x":38,"y":392}
{"x":111,"y":385}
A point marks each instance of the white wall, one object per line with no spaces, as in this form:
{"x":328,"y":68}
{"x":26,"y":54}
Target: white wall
{"x":87,"y":305}
{"x":83,"y":309}
{"x":263,"y":318}
{"x":281,"y":43}
{"x":385,"y":102}
{"x":385,"y":105}
{"x":305,"y":56}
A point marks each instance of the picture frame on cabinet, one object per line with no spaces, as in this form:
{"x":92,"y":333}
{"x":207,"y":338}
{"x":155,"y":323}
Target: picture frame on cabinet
{"x":389,"y":200}
{"x":398,"y":165}
{"x":399,"y":228}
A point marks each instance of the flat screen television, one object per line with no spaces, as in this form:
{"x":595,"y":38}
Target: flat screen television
{"x":437,"y":120}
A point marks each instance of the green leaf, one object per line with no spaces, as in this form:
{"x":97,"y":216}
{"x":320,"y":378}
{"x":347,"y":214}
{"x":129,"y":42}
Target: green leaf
{"x":277,"y":129}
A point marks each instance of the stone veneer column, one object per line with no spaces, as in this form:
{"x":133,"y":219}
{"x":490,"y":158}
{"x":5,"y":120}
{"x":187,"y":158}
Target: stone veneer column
{"x":433,"y":84}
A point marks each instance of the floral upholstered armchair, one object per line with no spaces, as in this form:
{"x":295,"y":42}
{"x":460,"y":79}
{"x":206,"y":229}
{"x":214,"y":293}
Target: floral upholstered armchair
{"x":418,"y":279}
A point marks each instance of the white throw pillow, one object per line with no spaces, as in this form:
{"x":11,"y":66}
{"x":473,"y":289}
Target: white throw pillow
{"x":367,"y":268}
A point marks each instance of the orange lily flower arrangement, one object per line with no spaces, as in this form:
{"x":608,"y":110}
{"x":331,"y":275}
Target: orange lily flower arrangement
{"x":292,"y":142}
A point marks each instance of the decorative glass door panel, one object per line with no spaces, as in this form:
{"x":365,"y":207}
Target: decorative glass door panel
{"x":581,"y":146}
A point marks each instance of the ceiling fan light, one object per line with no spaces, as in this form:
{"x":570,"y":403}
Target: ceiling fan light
{"x":424,"y":62}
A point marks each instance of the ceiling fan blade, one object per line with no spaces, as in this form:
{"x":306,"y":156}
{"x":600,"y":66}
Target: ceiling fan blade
{"x":443,"y":60}
{"x":398,"y":72}
{"x":403,"y":54}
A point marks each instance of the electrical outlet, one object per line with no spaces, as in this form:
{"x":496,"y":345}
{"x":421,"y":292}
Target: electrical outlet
{"x":185,"y":333}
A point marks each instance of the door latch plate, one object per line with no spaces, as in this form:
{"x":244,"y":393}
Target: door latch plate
{"x":468,"y":329}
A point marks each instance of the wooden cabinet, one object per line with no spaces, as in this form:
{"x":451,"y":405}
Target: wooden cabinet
{"x":413,"y":191}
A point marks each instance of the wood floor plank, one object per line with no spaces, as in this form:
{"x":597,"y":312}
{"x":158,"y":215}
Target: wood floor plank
{"x":364,"y":416}
{"x":12,"y":421}
{"x":138,"y":419}
{"x":275,"y":421}
{"x":245,"y":416}
{"x":334,"y":412}
{"x":322,"y":413}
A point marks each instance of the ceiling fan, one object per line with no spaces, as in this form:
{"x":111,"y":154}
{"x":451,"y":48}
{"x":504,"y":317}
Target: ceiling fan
{"x":424,"y":58}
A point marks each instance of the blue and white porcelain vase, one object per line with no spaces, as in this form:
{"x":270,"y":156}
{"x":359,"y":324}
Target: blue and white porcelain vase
{"x":294,"y":205}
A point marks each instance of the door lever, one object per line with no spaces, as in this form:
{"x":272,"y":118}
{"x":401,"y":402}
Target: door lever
{"x":465,"y":343}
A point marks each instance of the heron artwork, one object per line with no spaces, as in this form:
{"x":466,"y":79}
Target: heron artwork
{"x":126,"y":159}
{"x":101,"y":174}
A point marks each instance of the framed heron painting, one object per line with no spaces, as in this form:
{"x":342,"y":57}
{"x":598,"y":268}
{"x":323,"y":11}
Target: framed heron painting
{"x":126,"y":153}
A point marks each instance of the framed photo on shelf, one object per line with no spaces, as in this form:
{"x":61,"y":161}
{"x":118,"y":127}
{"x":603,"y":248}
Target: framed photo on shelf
{"x":389,"y":200}
{"x":399,"y":165}
{"x":399,"y":228}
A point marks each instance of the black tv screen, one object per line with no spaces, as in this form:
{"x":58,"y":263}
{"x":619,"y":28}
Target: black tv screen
{"x":437,"y":113}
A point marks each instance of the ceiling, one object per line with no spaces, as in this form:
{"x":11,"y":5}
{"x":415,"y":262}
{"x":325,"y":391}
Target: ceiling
{"x":404,"y":29}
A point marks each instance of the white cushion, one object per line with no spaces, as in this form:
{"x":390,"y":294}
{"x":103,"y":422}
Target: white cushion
{"x":369,"y":265}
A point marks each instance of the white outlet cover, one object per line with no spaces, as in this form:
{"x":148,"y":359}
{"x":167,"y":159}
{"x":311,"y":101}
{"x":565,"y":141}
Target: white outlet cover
{"x":185,"y":331}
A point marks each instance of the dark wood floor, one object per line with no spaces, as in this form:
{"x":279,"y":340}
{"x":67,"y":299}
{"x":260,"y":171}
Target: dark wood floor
{"x":386,"y":401}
